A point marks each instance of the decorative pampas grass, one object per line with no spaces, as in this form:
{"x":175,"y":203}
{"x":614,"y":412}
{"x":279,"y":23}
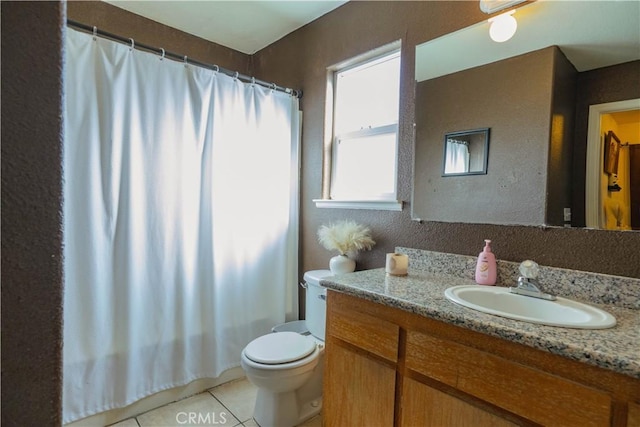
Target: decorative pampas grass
{"x":345,"y":237}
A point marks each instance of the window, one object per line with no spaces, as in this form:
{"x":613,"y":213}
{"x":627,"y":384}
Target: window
{"x":364,"y":144}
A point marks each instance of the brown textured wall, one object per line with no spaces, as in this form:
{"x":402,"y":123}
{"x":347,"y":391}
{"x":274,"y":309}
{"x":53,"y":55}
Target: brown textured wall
{"x":301,"y":59}
{"x":513,"y":190}
{"x":31,"y":187}
{"x":121,"y":22}
{"x":609,"y":84}
{"x":31,"y":217}
{"x":560,"y":144}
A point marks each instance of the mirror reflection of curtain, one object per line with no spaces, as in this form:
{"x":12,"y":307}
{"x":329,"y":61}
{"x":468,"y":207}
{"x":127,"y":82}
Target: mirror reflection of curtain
{"x":457,"y":156}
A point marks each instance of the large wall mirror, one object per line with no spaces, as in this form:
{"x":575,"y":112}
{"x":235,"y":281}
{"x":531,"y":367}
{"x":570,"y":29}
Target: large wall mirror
{"x":532,"y":91}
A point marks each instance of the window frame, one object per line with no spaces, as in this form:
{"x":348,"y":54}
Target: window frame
{"x":391,"y":129}
{"x":382,"y":201}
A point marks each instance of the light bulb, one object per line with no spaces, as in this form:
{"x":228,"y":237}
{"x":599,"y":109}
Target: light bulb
{"x":503,"y":27}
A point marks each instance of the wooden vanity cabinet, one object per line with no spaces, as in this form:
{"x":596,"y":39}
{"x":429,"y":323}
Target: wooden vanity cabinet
{"x":387,"y":367}
{"x":633,"y":417}
{"x":360,"y":370}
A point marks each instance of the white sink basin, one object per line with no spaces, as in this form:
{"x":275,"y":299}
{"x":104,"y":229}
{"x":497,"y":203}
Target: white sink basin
{"x":561,"y":312}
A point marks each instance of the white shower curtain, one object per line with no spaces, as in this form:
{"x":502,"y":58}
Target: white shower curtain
{"x":180,"y":222}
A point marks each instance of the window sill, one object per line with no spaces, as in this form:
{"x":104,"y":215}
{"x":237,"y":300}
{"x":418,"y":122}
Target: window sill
{"x":380,"y":205}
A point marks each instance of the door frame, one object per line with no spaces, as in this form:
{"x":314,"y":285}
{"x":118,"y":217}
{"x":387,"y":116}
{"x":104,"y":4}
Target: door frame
{"x":595,"y":158}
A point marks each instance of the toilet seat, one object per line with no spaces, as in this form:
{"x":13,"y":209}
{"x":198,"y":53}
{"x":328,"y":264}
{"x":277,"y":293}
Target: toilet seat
{"x":279,"y":348}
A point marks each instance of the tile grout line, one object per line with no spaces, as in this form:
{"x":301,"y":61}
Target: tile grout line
{"x":210,"y":392}
{"x":225,"y":407}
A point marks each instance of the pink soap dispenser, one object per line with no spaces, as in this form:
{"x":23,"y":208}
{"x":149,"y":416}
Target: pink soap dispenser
{"x":486,"y":267}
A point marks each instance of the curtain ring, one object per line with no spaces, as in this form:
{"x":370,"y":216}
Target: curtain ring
{"x":95,"y":32}
{"x":235,"y":76}
{"x":253,"y":81}
{"x":185,"y":61}
{"x":133,"y":44}
{"x":216,"y":68}
{"x":162,"y":57}
{"x":273,"y":86}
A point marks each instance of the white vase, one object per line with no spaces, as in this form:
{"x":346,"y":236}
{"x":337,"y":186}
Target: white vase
{"x":341,"y":264}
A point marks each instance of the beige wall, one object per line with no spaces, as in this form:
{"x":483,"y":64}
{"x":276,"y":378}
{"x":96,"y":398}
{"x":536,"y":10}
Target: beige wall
{"x":31,"y":187}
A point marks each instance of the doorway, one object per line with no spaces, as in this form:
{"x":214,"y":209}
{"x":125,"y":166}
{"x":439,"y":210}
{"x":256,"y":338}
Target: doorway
{"x":613,"y":189}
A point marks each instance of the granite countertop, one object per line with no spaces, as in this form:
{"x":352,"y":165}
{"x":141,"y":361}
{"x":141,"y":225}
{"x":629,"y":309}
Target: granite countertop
{"x":422,"y":293}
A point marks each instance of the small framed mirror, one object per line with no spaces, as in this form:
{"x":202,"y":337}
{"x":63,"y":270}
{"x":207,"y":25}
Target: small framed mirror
{"x":466,"y":152}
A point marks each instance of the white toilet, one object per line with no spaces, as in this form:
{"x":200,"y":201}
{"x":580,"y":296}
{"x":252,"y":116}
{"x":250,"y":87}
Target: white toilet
{"x":287,"y":365}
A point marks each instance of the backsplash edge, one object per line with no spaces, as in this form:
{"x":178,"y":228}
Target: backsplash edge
{"x":580,"y":285}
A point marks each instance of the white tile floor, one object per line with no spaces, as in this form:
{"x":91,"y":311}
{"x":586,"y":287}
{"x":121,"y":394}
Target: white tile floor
{"x":229,"y":404}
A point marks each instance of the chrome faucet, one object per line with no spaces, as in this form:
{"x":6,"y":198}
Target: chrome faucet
{"x":528,"y":284}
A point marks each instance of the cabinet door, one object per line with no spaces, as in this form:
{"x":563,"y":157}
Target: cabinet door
{"x":358,"y":390}
{"x":633,"y":417}
{"x":425,"y":406}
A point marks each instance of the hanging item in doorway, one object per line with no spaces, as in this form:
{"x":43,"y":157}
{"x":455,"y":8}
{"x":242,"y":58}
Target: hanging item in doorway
{"x":613,"y":183}
{"x":611,"y":152}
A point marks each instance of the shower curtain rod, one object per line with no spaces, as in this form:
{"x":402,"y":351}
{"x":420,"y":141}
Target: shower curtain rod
{"x":166,"y":54}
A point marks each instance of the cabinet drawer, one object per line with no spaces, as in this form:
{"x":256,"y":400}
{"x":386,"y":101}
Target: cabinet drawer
{"x":528,"y":392}
{"x":367,"y":332}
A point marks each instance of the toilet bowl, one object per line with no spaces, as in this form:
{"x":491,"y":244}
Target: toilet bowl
{"x":286,"y":366}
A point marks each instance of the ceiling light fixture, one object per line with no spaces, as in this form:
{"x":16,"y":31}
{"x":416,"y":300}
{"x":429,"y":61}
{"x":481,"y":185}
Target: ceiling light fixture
{"x":493,"y":6}
{"x":503,"y":27}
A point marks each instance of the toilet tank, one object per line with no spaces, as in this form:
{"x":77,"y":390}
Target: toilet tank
{"x":316,"y":305}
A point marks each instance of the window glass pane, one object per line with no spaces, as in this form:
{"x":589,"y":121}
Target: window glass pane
{"x":365,"y":167}
{"x":368,"y":96}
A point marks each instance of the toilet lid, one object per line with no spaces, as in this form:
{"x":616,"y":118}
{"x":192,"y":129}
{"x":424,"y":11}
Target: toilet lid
{"x":279,"y":347}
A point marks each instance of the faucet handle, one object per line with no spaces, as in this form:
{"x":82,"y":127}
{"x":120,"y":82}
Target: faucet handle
{"x":529,"y":269}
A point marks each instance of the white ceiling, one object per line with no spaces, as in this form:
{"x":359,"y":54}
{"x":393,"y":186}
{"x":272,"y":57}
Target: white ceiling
{"x":591,"y":34}
{"x":245,"y":26}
